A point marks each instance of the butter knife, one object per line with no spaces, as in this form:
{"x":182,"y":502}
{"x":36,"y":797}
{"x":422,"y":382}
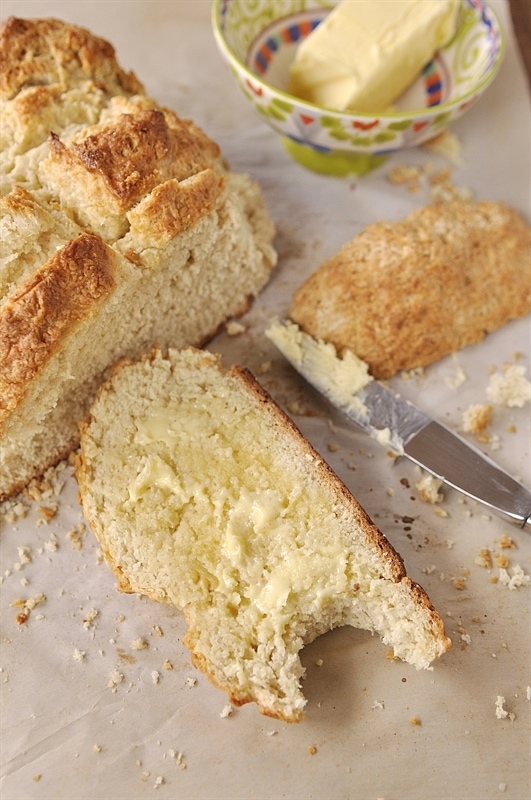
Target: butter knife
{"x":399,"y":425}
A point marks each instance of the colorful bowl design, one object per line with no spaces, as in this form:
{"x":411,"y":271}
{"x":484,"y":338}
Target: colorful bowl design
{"x":258,"y":39}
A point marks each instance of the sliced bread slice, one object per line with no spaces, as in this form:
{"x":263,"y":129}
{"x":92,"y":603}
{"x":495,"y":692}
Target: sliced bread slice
{"x":203,"y":494}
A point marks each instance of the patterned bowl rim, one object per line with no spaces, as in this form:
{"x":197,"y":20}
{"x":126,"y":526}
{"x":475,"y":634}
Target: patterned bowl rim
{"x":426,"y":112}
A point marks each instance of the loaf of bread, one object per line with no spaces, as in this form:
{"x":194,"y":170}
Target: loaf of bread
{"x":204,"y":495}
{"x":404,"y":294}
{"x":121,"y":226}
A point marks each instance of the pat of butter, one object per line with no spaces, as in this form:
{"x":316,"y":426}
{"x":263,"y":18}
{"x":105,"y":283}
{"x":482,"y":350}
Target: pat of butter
{"x":344,"y":377}
{"x":365,"y":53}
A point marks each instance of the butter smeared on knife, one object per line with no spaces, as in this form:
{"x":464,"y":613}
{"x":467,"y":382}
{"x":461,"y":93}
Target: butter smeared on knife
{"x":399,"y":425}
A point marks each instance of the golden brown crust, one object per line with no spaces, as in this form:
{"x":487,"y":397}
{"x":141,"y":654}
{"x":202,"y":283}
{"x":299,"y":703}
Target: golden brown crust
{"x":176,"y":205}
{"x":121,"y":161}
{"x":37,"y":316}
{"x":405,"y":294}
{"x":48,"y":51}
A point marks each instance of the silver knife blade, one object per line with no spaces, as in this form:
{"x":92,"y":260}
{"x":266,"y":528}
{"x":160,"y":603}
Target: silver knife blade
{"x":399,"y":425}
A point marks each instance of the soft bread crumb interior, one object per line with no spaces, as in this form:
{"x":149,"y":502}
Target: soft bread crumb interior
{"x":204,"y":496}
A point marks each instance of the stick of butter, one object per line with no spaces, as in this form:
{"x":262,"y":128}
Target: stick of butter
{"x":365,"y":53}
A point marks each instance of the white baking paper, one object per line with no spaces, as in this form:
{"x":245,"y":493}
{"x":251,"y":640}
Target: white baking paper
{"x":99,"y":699}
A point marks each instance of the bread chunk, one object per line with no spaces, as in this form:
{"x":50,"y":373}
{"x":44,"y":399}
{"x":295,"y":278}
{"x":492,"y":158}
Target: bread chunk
{"x":203,"y":494}
{"x":122,"y":227}
{"x":404,"y":294}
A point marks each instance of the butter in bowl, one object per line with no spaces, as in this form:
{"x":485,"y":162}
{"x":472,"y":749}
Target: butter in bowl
{"x":346,"y":86}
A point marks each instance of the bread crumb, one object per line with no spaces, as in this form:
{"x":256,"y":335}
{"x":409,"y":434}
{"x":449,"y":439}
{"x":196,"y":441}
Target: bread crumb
{"x":159,"y":781}
{"x":333,"y":447}
{"x":445,"y":144}
{"x":167,"y":665}
{"x":319,"y":662}
{"x":415,"y":721}
{"x":312,"y":750}
{"x":47,"y":513}
{"x":115,"y":678}
{"x":78,"y":655}
{"x":459,"y":583}
{"x":226,"y":711}
{"x":502,"y":561}
{"x":477,"y":417}
{"x":96,"y":748}
{"x":428,"y":487}
{"x":37,"y":777}
{"x":157,"y":630}
{"x":404,"y":174}
{"x":75,"y":536}
{"x":264,"y":367}
{"x":155,"y":676}
{"x":501,"y":711}
{"x":138,"y":644}
{"x":484,"y":558}
{"x":234,"y":328}
{"x":517,"y":579}
{"x":89,"y":617}
{"x":510,"y":388}
{"x":191,"y":682}
{"x":27,"y":607}
{"x":528,"y":693}
{"x":506,"y":542}
{"x":378,"y":704}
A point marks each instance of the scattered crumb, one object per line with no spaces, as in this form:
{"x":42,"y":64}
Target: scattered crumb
{"x":264,"y":367}
{"x":89,"y":618}
{"x":96,"y":748}
{"x":456,"y":380}
{"x":428,"y":487}
{"x":191,"y":682}
{"x":27,"y":607}
{"x":312,"y":750}
{"x":477,"y":417}
{"x":516,"y":579}
{"x":226,"y":711}
{"x":510,"y":388}
{"x":501,"y":711}
{"x":155,"y":676}
{"x":484,"y":558}
{"x":78,"y":655}
{"x":138,"y":644}
{"x":459,"y":583}
{"x":234,"y":328}
{"x":333,"y":447}
{"x":157,"y":630}
{"x":319,"y":662}
{"x":378,"y":704}
{"x":528,"y":693}
{"x":115,"y":678}
{"x":167,"y":665}
{"x":159,"y":781}
{"x":75,"y":536}
{"x":506,"y":542}
{"x":445,"y":144}
{"x":37,"y":777}
{"x":415,"y":721}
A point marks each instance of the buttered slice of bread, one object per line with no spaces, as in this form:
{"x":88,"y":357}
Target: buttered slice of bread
{"x":122,"y":228}
{"x":404,"y":294}
{"x":203,"y":494}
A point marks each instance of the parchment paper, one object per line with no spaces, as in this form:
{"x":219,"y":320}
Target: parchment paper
{"x":99,"y":699}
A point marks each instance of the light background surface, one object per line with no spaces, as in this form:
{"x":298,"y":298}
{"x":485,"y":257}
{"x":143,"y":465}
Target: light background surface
{"x":66,"y":733}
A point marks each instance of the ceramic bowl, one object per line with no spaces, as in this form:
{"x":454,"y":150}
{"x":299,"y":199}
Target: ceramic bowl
{"x":258,"y":38}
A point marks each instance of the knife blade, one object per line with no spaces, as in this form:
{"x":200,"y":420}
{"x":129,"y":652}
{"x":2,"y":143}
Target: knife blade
{"x":399,"y":425}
